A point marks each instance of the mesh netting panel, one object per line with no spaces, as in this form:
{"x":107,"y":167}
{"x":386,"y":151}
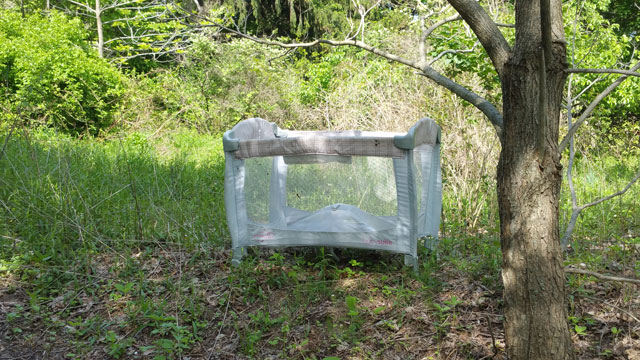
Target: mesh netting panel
{"x":365,"y":182}
{"x":257,"y":180}
{"x":417,"y":155}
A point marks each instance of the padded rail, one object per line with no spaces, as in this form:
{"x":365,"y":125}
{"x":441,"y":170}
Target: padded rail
{"x":259,"y":138}
{"x":319,"y":145}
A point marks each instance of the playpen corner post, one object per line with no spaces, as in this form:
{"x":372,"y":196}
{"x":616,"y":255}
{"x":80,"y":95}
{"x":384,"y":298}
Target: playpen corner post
{"x":235,"y":205}
{"x":411,"y":260}
{"x":404,"y":169}
{"x":238,"y":252}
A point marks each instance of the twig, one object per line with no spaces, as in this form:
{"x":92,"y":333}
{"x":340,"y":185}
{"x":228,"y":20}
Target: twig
{"x":431,"y":29}
{"x":7,"y":138}
{"x":587,"y":112}
{"x":603,"y":71}
{"x":609,"y":304}
{"x":450,"y":51}
{"x":221,"y":326}
{"x":493,"y":339}
{"x":578,"y":209}
{"x":601,"y":276}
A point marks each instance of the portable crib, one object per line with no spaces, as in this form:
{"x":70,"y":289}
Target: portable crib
{"x":355,"y":189}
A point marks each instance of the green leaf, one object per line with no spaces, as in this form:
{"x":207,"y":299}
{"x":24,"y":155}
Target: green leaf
{"x":379,"y":309}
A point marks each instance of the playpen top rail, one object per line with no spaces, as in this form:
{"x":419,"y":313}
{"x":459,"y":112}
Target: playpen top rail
{"x":259,"y":138}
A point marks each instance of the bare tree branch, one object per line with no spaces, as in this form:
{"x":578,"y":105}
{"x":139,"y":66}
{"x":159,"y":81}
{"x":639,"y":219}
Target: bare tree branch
{"x":486,"y":30}
{"x":493,"y":115}
{"x":450,"y":51}
{"x":578,"y":209}
{"x":624,"y":190}
{"x":84,"y":6}
{"x":155,"y":55}
{"x":603,"y":71}
{"x":136,"y":37}
{"x":572,"y":154}
{"x":430,"y":30}
{"x":601,"y":276}
{"x":145,"y":18}
{"x":631,"y":315}
{"x":118,"y":4}
{"x":363,"y":14}
{"x":586,"y":88}
{"x":129,"y":27}
{"x":591,"y":107}
{"x":488,"y":109}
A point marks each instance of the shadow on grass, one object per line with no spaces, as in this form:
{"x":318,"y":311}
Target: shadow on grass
{"x":63,"y":199}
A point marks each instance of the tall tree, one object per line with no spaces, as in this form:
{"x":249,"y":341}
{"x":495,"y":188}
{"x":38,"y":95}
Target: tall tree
{"x":532,"y":73}
{"x":133,"y":29}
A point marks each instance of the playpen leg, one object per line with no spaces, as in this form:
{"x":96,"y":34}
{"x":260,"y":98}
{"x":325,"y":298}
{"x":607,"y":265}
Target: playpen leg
{"x":237,"y":256}
{"x":410,"y":260}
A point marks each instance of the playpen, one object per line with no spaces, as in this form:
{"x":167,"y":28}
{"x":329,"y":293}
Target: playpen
{"x":354,"y":189}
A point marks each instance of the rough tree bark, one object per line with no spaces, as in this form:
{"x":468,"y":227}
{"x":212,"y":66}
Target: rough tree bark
{"x":529,"y":175}
{"x":528,"y":192}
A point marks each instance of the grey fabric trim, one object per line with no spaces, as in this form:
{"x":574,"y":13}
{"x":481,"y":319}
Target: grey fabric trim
{"x":425,"y":131}
{"x":316,"y":145}
{"x":256,"y":137}
{"x":316,"y":159}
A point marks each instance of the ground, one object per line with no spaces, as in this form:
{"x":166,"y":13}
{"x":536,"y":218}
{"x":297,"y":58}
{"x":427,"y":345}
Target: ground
{"x":168,"y":302}
{"x":118,"y":248}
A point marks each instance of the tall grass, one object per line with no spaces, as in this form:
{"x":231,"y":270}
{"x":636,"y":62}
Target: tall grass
{"x":609,"y":232}
{"x":64,"y":199}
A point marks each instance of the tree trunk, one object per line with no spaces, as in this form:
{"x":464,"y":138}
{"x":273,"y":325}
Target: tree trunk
{"x":98,"y":12}
{"x":528,"y":194}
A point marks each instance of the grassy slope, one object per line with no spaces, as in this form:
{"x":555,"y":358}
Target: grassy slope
{"x":118,"y":248}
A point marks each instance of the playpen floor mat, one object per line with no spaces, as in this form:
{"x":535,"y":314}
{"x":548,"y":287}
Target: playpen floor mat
{"x":337,"y":218}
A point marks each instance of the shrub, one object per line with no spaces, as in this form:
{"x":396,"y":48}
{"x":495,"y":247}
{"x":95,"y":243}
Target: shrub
{"x":214,"y":87}
{"x":51,"y":75}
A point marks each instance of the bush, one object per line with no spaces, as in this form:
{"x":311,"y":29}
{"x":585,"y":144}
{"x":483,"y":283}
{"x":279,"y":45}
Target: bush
{"x":50,"y":74}
{"x":214,"y":87}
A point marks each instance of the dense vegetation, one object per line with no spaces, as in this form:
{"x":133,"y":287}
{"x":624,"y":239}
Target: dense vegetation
{"x":113,"y":240}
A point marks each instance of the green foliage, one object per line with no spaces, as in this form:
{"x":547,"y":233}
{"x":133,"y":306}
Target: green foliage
{"x":142,"y":35}
{"x":596,"y":42}
{"x":625,"y":13}
{"x":216,"y":86}
{"x":456,"y":36}
{"x":320,"y":75}
{"x":355,"y":319}
{"x":146,"y":35}
{"x":290,"y":18}
{"x":616,"y":220}
{"x":50,"y":75}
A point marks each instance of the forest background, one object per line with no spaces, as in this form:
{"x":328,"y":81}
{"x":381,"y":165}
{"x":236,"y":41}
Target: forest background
{"x":113,"y":239}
